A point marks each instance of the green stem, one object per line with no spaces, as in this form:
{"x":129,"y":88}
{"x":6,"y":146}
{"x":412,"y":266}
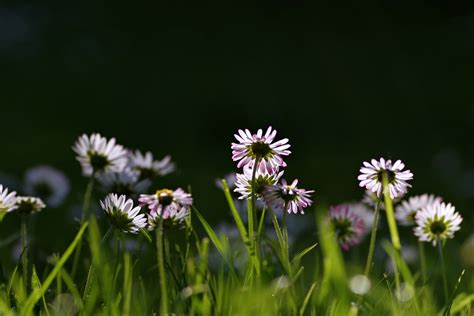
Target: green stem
{"x":24,"y":243}
{"x":421,"y":250}
{"x":285,"y":233}
{"x":373,"y":237}
{"x":85,"y":216}
{"x":253,"y":234}
{"x":392,"y":225}
{"x":87,"y":199}
{"x":443,"y":271}
{"x":161,"y":268}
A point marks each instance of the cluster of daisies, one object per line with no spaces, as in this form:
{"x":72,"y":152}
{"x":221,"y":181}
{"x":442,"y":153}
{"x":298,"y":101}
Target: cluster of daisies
{"x":125,"y":175}
{"x":433,"y":220}
{"x":261,"y":160}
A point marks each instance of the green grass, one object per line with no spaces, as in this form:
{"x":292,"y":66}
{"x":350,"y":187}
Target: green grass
{"x":311,"y":278}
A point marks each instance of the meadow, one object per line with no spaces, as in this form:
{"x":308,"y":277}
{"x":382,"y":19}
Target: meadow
{"x":145,"y":249}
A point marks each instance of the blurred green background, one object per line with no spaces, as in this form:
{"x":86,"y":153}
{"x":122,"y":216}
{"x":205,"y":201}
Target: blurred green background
{"x":344,"y":81}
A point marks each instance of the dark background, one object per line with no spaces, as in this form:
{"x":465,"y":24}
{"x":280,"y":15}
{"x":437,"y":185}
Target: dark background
{"x":344,"y":81}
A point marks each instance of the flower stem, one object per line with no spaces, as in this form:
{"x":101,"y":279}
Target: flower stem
{"x":285,"y":233}
{"x":87,"y":199}
{"x":373,"y":237}
{"x":252,"y":214}
{"x":443,"y":271}
{"x":161,"y":267}
{"x":85,"y":216}
{"x":392,"y":225}
{"x":421,"y":250}
{"x":24,"y":243}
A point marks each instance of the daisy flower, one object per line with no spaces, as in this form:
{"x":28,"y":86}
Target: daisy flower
{"x":287,"y":197}
{"x":406,"y":211}
{"x":371,"y":177}
{"x":260,"y":147}
{"x":166,"y":201}
{"x":7,"y":200}
{"x":437,"y":221}
{"x":122,"y":214}
{"x":48,"y":183}
{"x":173,"y":216}
{"x":125,"y":182}
{"x":349,"y":227}
{"x":96,"y":154}
{"x":363,"y":212}
{"x":243,"y":184}
{"x":148,"y":167}
{"x":26,"y":205}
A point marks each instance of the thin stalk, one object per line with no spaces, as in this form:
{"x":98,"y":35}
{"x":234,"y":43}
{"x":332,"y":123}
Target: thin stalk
{"x":24,"y":244}
{"x":421,"y":250}
{"x":85,"y":216}
{"x":392,"y":225}
{"x":285,"y":233}
{"x":373,"y":237}
{"x":161,"y":267}
{"x":253,"y":221}
{"x":443,"y":271}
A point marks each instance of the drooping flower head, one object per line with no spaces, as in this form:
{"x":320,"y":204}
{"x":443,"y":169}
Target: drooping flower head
{"x":287,"y":197}
{"x":7,"y":200}
{"x":371,"y":175}
{"x":96,"y":154}
{"x":47,"y":183}
{"x":168,"y":204}
{"x":262,"y":180}
{"x":121,"y":213}
{"x":174,"y":216}
{"x":437,"y":222}
{"x":260,"y":147}
{"x":349,"y":227}
{"x":406,"y":211}
{"x":26,"y":205}
{"x":125,"y":182}
{"x":148,"y":167}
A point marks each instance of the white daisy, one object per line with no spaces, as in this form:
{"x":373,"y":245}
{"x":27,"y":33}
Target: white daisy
{"x":243,"y":184}
{"x":406,"y":211}
{"x":437,"y":221}
{"x":173,"y":205}
{"x":48,"y":183}
{"x":7,"y":200}
{"x":260,"y":147}
{"x":96,"y":154}
{"x":125,"y":182}
{"x":122,"y":214}
{"x":173,"y":216}
{"x":287,"y":197}
{"x":349,"y":227}
{"x":148,"y":167}
{"x":371,"y":177}
{"x":26,"y":205}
